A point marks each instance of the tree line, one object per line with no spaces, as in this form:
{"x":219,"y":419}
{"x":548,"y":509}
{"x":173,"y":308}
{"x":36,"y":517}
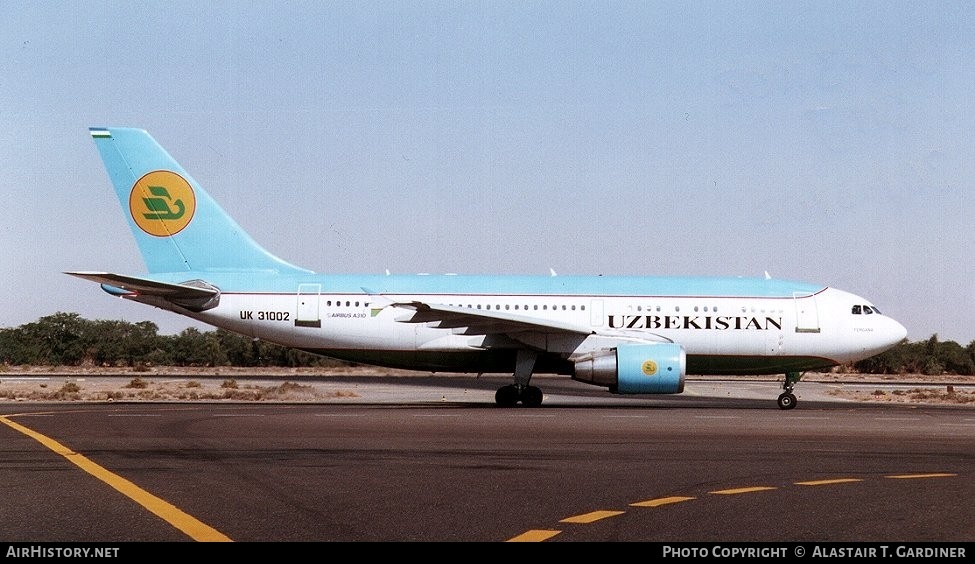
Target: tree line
{"x":66,"y":339}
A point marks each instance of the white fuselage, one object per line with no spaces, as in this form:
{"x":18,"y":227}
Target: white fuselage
{"x":724,"y":334}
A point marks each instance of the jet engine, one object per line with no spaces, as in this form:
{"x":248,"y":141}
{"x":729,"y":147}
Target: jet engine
{"x":645,"y":368}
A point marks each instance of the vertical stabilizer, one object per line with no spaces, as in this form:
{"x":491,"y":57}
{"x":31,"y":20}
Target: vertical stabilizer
{"x":177,"y":225}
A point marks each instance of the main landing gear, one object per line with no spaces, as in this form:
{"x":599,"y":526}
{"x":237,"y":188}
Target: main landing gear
{"x":520,"y":391}
{"x":509,"y":396}
{"x":788,"y":400}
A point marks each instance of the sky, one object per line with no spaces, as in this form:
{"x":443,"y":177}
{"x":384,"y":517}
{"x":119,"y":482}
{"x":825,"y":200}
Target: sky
{"x":827,"y":142}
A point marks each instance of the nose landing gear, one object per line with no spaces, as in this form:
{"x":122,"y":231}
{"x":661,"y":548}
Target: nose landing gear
{"x":787,"y":400}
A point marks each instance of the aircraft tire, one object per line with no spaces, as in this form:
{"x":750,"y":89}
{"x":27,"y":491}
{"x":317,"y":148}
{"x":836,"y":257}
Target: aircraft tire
{"x":787,"y":401}
{"x":531,"y":397}
{"x":506,"y":396}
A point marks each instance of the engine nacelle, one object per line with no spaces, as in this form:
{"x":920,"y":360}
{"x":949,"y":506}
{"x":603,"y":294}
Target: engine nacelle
{"x":651,"y":368}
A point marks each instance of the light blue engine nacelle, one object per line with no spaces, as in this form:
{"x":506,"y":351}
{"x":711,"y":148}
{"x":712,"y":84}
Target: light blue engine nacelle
{"x":652,"y":368}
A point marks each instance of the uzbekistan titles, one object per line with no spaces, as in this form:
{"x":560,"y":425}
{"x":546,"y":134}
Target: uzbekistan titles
{"x":720,"y":322}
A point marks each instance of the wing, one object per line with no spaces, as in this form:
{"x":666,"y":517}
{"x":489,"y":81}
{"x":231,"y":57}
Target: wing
{"x":533,"y":332}
{"x":481,"y":322}
{"x":467,"y":321}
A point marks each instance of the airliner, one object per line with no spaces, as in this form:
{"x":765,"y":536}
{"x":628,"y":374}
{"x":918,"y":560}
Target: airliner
{"x":628,"y":334}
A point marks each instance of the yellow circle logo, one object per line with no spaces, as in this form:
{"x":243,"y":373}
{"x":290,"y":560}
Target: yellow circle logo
{"x":162,"y":203}
{"x":649,"y":367}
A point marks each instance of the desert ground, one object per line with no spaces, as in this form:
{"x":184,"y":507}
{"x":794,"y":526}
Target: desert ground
{"x":72,"y":384}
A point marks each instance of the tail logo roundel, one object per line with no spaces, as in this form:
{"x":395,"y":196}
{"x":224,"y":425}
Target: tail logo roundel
{"x":162,"y":203}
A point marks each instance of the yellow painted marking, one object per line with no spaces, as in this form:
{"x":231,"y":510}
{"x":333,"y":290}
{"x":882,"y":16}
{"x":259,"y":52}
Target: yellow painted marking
{"x":660,"y":501}
{"x":591,"y":517}
{"x":534,"y":536}
{"x":743,"y":490}
{"x":196,"y":529}
{"x":828,"y":482}
{"x":539,"y":535}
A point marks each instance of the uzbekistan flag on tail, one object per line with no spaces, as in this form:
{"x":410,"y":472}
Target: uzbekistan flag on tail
{"x":99,"y":132}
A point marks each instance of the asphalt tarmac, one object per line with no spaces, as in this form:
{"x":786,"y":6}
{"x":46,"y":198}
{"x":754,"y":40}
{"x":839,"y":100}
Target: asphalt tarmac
{"x":433,"y":459}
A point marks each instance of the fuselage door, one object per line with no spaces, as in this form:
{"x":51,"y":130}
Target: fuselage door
{"x":596,"y":313}
{"x":307,"y":311}
{"x":807,"y":314}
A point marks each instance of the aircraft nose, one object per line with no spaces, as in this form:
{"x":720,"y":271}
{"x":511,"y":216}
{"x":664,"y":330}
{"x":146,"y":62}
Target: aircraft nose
{"x":885,"y":334}
{"x":896,"y":332}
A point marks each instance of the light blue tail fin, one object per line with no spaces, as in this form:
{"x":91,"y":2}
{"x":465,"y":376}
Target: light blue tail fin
{"x":176,"y":224}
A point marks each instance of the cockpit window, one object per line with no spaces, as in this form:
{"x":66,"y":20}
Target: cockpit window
{"x":863,"y":309}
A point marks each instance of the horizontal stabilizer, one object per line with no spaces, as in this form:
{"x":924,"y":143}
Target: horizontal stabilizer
{"x":193,"y":294}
